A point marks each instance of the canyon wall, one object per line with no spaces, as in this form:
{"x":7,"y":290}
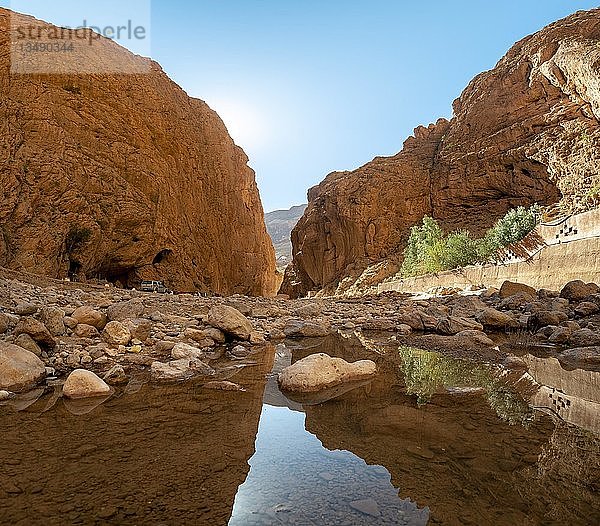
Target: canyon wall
{"x":124,"y":177}
{"x":526,"y":131}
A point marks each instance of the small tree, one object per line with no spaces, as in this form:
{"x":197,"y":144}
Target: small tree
{"x":516,"y":224}
{"x":421,"y":252}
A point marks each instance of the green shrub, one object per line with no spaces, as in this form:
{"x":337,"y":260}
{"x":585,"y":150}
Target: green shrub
{"x":420,"y":252}
{"x":429,"y":250}
{"x":460,"y":249}
{"x":488,"y":247}
{"x":516,"y":224}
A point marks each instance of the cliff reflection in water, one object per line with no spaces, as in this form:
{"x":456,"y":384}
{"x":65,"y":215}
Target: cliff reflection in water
{"x":458,"y":453}
{"x":431,"y":438}
{"x":164,"y":455}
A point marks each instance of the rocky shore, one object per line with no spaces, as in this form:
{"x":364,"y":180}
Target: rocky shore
{"x":48,"y":329}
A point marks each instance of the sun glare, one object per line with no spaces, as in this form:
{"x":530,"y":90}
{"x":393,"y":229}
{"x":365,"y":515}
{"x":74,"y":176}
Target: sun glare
{"x":244,"y":122}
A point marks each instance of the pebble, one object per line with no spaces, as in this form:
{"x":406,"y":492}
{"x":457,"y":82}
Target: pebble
{"x":6,"y":395}
{"x":366,"y":506}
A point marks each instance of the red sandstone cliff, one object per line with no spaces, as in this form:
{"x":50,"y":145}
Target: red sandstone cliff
{"x":151,"y":173}
{"x":526,"y":131}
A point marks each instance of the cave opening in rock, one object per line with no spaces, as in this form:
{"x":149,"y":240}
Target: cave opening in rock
{"x":160,"y":257}
{"x":120,"y":276}
{"x":74,"y":268}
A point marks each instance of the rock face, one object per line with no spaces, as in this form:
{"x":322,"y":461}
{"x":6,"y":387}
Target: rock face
{"x":526,"y":131}
{"x":125,"y":177}
{"x":320,"y":371}
{"x":19,"y":368}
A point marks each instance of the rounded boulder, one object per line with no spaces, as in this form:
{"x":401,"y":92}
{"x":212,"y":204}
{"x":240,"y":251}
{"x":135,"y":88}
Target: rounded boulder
{"x":231,"y":321}
{"x":85,"y":384}
{"x":320,"y":371}
{"x":20,"y":369}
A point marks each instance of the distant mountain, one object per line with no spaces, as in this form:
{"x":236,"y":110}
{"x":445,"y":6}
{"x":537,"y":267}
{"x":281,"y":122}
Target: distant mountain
{"x":279,"y":225}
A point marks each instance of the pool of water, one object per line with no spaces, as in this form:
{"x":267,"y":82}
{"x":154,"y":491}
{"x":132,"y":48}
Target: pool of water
{"x":430,"y":440}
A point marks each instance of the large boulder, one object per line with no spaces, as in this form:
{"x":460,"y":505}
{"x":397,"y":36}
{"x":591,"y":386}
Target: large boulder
{"x":84,"y":384}
{"x":183,"y":350}
{"x":306,"y":329}
{"x":83,"y":330}
{"x":25,"y":309}
{"x":586,"y":308}
{"x":451,"y":325}
{"x":231,"y":321}
{"x":545,"y":318}
{"x":469,"y":339}
{"x":584,"y":338}
{"x":516,"y":301}
{"x":560,"y":335}
{"x":37,"y":330}
{"x":320,"y":371}
{"x":115,"y":333}
{"x":90,"y":316}
{"x":5,"y":322}
{"x":577,"y":290}
{"x":581,"y":356}
{"x":413,"y":318}
{"x":465,"y":306}
{"x":53,"y":319}
{"x":125,"y":310}
{"x":496,"y":319}
{"x":140,"y":328}
{"x":510,"y":288}
{"x":27,"y":342}
{"x":214,"y":334}
{"x":199,"y":336}
{"x":19,"y":369}
{"x":179,"y":370}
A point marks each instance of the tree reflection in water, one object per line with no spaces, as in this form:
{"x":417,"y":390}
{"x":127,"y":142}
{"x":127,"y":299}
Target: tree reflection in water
{"x":427,"y":373}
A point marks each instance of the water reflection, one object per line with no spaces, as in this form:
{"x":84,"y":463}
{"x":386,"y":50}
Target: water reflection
{"x":573,"y":396}
{"x":428,"y":438}
{"x":429,"y":373}
{"x":293,"y":479}
{"x":150,"y":455}
{"x":454,"y":454}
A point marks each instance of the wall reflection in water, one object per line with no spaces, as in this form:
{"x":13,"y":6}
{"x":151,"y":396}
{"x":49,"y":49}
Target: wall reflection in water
{"x":430,"y":438}
{"x":162,"y":455}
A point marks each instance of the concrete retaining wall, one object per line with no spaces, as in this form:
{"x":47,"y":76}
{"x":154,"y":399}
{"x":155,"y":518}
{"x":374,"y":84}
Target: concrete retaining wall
{"x":570,"y":250}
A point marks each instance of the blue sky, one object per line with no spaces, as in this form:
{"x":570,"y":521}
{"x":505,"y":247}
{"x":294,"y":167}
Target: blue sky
{"x":307,"y":87}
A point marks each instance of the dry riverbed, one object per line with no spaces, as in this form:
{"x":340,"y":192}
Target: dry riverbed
{"x":119,"y":333}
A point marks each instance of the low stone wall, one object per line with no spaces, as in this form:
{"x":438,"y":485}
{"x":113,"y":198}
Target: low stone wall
{"x":571,"y":250}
